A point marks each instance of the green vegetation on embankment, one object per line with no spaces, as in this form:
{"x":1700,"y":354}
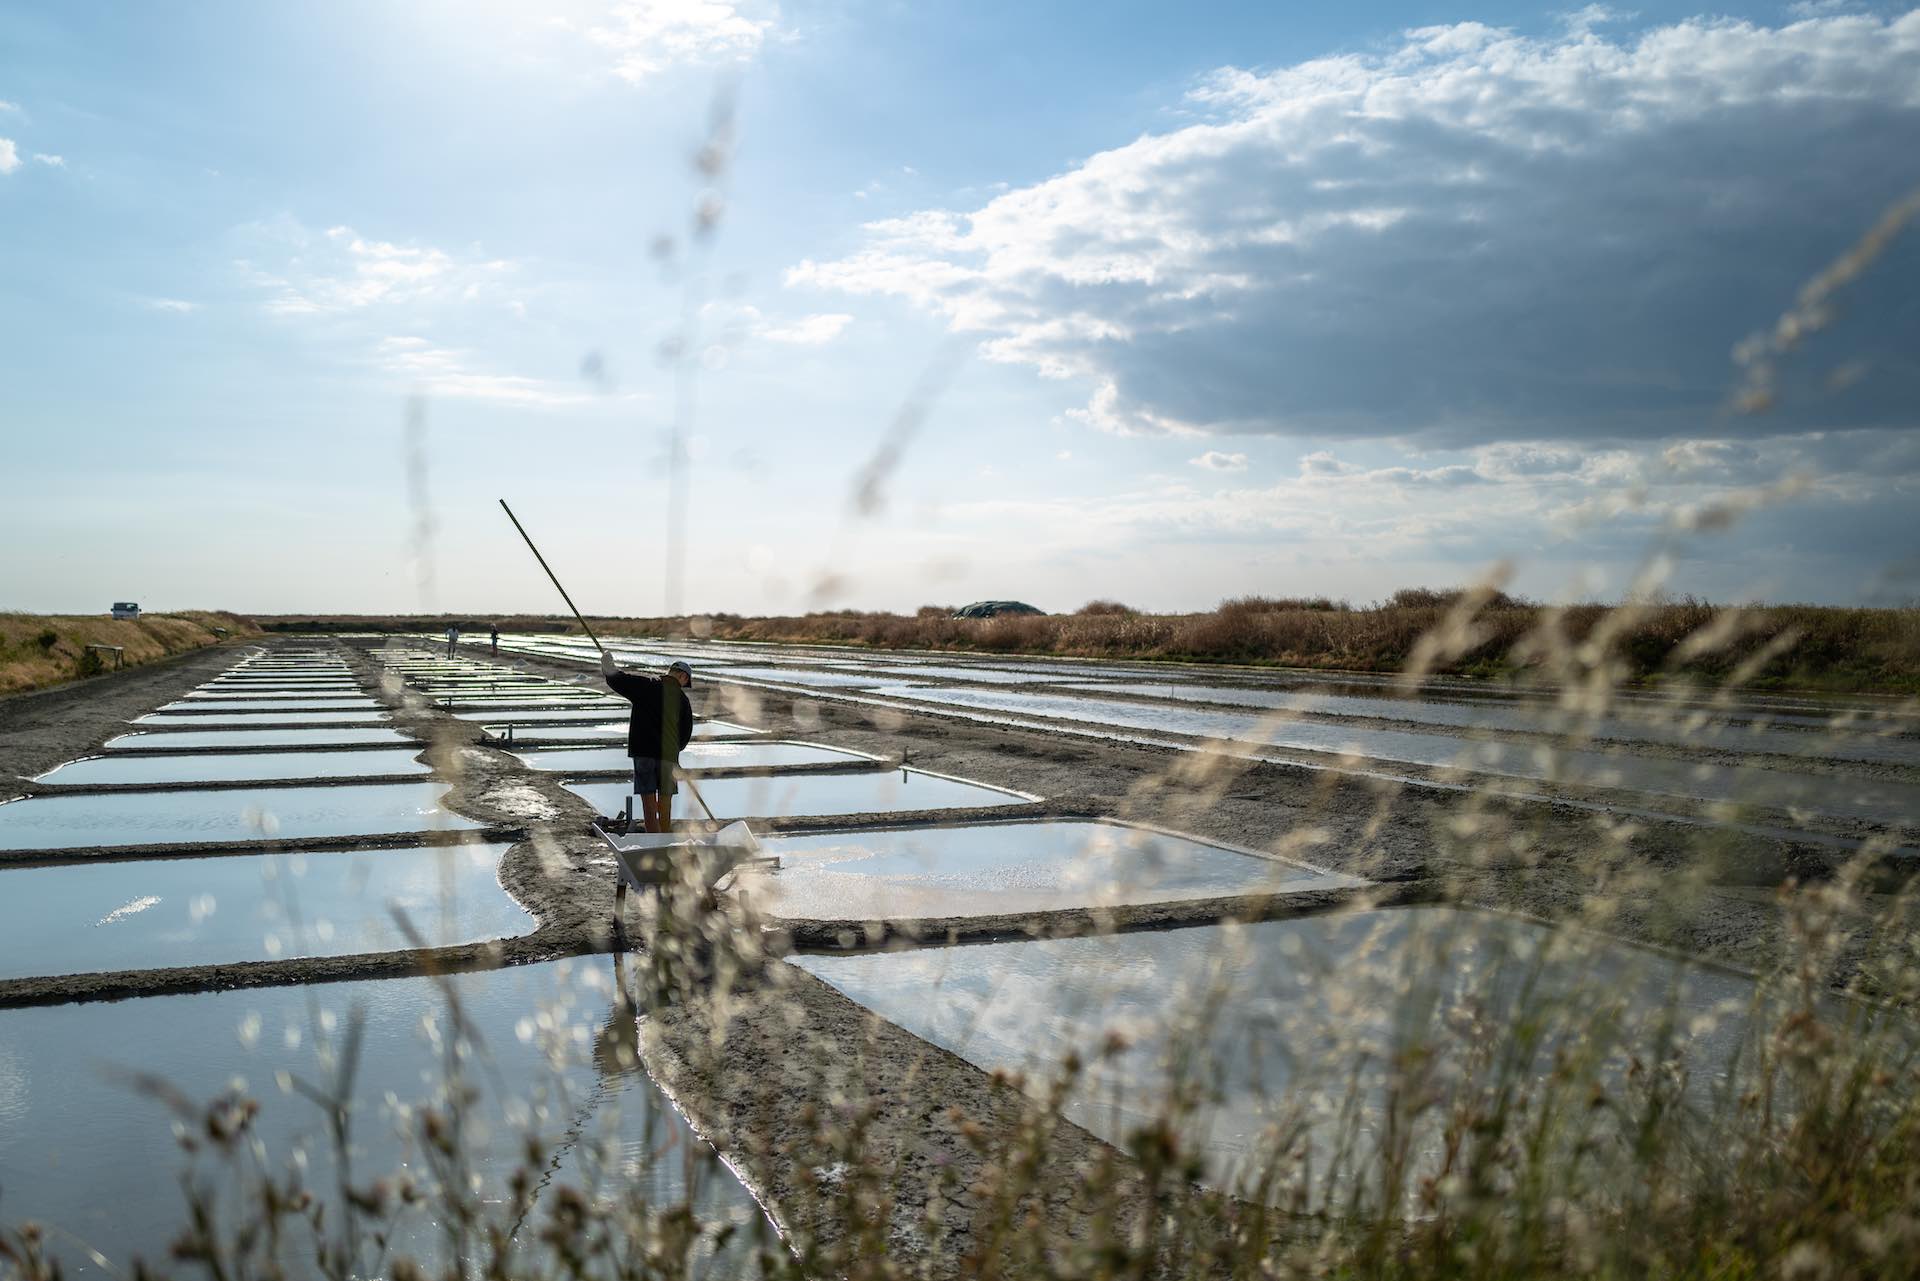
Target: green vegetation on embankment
{"x":38,"y":650}
{"x":1813,"y":647}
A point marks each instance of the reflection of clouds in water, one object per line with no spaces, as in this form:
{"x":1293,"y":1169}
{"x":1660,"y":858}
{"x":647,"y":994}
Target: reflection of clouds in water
{"x":986,"y":869}
{"x":1309,"y":1008}
{"x":125,"y":910}
{"x":16,"y":1091}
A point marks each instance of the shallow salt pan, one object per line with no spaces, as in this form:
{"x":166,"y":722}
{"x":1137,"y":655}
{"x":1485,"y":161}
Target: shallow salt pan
{"x":813,"y":795}
{"x":993,"y":869}
{"x":84,"y":918}
{"x":239,"y":767}
{"x":1309,"y":1008}
{"x":697,"y":756}
{"x":323,"y":737}
{"x":81,"y":1148}
{"x":1676,"y":727}
{"x":221,"y":716}
{"x":791,"y":676}
{"x":618,"y":729}
{"x":225,"y":814}
{"x":1847,"y":797}
{"x":586,"y":710}
{"x":323,"y":704}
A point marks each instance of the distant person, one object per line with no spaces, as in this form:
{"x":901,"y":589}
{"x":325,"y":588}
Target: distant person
{"x":494,"y":636}
{"x":660,"y":727}
{"x":453,"y":638}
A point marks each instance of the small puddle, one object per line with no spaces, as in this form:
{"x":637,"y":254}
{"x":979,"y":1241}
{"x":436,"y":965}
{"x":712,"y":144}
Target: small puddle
{"x":813,"y":795}
{"x":85,"y":918}
{"x":238,"y":814}
{"x":995,"y":869}
{"x":240,"y":767}
{"x":553,"y":1052}
{"x":697,"y":756}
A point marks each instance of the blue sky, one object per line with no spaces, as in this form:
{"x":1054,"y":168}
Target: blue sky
{"x":1178,"y":304}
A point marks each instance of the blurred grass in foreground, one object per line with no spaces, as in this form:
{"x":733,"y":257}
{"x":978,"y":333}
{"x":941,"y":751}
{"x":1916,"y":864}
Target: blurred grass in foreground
{"x":1559,"y":1132}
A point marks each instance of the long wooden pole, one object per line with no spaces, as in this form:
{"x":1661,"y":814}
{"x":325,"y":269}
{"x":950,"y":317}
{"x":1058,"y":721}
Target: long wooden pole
{"x":691,"y":787}
{"x":550,"y":575}
{"x":586,"y":628}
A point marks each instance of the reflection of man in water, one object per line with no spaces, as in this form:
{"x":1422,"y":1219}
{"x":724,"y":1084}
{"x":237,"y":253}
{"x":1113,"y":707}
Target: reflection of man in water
{"x":616,"y":1048}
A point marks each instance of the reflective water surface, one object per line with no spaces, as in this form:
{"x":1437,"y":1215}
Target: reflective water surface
{"x":996,"y":868}
{"x":552,"y":1051}
{"x":618,"y":729}
{"x":80,"y":918}
{"x":252,"y":738}
{"x":1308,"y":1008}
{"x":238,"y":767}
{"x":226,"y":715}
{"x":696,"y":756}
{"x":812,"y":794}
{"x":226,"y":814}
{"x":1844,"y":796}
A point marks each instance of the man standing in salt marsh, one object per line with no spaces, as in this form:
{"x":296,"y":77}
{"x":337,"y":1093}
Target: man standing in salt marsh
{"x":660,"y":726}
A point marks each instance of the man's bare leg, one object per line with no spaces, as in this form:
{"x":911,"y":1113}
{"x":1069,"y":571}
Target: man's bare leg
{"x":666,"y":811}
{"x":650,"y":811}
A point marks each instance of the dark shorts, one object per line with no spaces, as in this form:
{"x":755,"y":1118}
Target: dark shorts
{"x":651,"y":775}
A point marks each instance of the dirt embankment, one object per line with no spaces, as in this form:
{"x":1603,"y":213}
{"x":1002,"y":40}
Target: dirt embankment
{"x":42,"y":728}
{"x":38,"y":651}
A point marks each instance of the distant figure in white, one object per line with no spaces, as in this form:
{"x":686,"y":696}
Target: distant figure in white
{"x":453,"y":638}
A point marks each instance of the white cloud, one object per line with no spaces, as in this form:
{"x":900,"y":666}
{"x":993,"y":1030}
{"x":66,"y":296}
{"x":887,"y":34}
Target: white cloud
{"x":734,"y":323}
{"x":52,"y":162}
{"x":1214,"y":460}
{"x":9,"y":106}
{"x":1470,"y":236}
{"x":1610,"y":508}
{"x":812,"y":331}
{"x":177,"y":306}
{"x":9,"y":156}
{"x":340,"y":271}
{"x":646,"y":37}
{"x":361,"y":289}
{"x":443,"y":371}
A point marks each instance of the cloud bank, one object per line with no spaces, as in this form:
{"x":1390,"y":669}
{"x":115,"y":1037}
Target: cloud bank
{"x":1466,"y":238}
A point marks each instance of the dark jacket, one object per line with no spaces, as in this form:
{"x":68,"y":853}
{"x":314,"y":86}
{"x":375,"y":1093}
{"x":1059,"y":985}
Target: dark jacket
{"x":662,"y":720}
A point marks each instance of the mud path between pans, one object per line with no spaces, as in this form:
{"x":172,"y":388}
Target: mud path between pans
{"x":42,"y":728}
{"x":748,"y":1097}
